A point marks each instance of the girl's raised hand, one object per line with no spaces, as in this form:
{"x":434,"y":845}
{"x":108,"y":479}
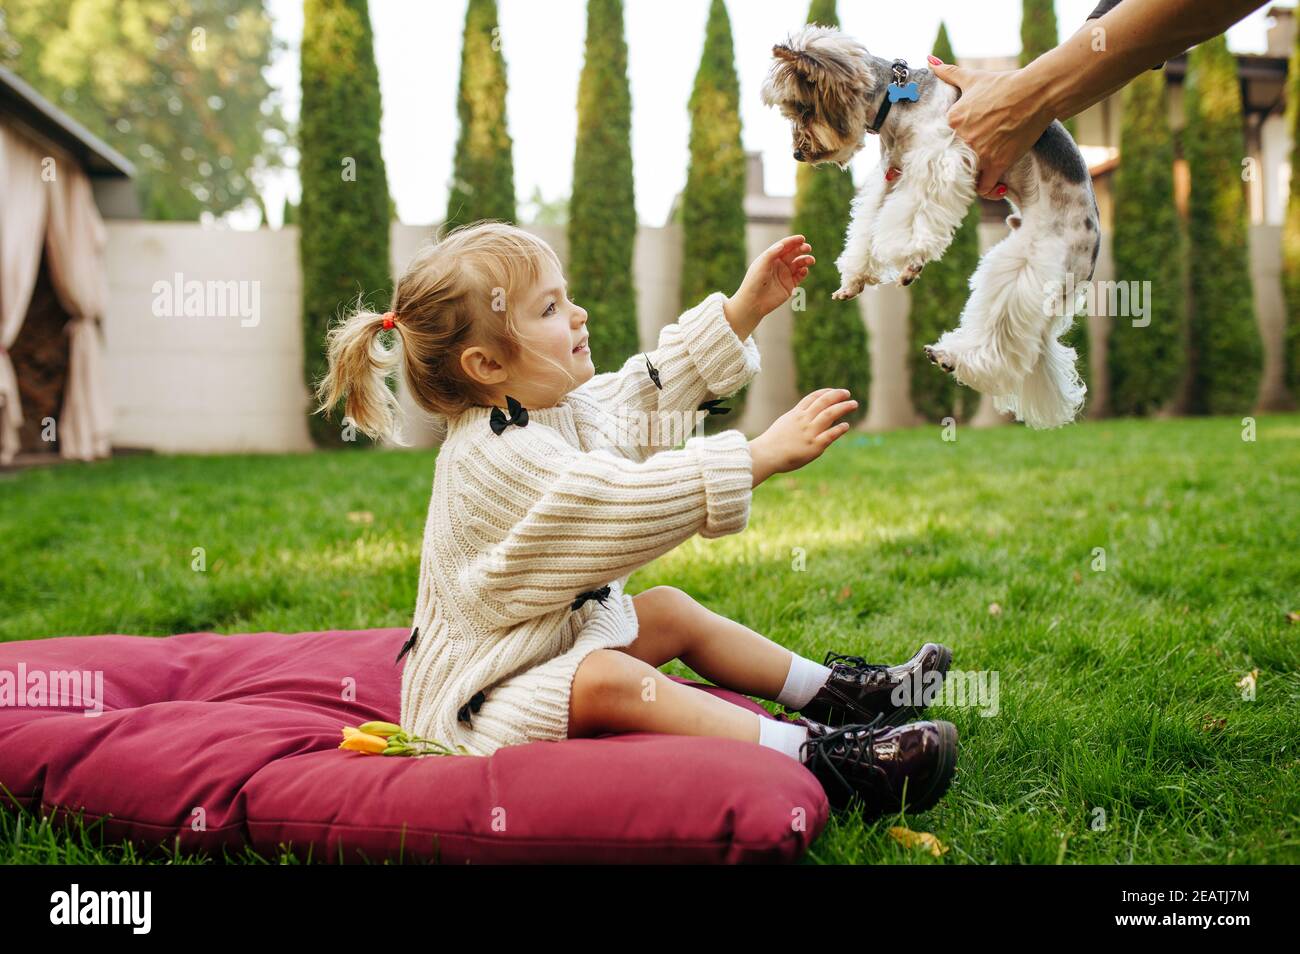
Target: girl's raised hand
{"x":801,"y":434}
{"x":774,"y":275}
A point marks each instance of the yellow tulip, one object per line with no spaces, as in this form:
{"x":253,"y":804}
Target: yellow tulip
{"x":382,"y":729}
{"x":364,"y":742}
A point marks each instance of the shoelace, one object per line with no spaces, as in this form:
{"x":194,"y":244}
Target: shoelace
{"x":854,"y":743}
{"x":857,"y":662}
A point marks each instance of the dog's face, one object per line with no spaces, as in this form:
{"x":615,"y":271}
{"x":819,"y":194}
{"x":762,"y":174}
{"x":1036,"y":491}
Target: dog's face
{"x":821,"y":82}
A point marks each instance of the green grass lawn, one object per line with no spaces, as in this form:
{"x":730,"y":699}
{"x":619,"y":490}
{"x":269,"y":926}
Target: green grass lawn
{"x":1118,"y":687}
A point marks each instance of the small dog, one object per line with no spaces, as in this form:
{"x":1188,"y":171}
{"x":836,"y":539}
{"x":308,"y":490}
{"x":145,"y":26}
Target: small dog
{"x":834,"y":93}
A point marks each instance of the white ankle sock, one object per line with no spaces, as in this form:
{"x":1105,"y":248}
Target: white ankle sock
{"x":783,"y":736}
{"x":802,"y":682}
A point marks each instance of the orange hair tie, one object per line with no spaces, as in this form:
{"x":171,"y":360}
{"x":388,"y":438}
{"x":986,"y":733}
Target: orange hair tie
{"x":390,"y":319}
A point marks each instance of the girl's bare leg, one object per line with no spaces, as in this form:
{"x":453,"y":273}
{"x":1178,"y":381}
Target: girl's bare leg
{"x":672,"y":625}
{"x":616,"y":692}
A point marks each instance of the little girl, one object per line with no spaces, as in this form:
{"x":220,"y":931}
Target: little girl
{"x":554,"y":483}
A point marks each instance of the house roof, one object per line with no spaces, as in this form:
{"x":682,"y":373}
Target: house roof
{"x":1104,"y":167}
{"x":21,"y":102}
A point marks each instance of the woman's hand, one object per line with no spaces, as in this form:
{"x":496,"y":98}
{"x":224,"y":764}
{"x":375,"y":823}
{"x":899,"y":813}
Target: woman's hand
{"x":1000,"y":116}
{"x":800,"y":435}
{"x":769,"y":283}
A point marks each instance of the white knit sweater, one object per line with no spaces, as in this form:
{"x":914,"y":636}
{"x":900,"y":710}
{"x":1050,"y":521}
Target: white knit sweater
{"x":524,"y":522}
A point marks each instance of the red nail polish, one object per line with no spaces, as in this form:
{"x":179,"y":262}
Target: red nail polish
{"x":934,"y":60}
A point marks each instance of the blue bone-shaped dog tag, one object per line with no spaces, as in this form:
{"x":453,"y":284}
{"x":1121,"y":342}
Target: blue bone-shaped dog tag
{"x":909,"y":91}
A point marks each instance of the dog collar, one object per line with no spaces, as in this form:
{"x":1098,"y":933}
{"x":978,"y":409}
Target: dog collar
{"x":900,"y":88}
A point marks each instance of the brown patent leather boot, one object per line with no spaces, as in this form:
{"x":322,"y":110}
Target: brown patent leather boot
{"x":889,"y":769}
{"x":857,"y":691}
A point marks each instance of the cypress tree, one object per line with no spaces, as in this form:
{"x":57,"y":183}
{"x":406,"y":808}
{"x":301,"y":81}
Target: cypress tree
{"x":1037,"y":29}
{"x":830,"y":338}
{"x":1291,"y":228}
{"x":1225,"y":344}
{"x":483,"y":174}
{"x":937,"y":299}
{"x":714,"y":255}
{"x":344,"y":214}
{"x":1146,"y":363}
{"x":602,"y":210}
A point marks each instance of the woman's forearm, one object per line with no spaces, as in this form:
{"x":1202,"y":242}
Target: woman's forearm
{"x":1135,"y":36}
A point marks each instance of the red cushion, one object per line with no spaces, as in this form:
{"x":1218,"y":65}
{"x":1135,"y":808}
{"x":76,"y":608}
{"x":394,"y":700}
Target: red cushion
{"x":233,"y":741}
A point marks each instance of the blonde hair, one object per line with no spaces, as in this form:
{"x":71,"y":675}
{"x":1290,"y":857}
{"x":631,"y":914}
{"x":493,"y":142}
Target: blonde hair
{"x":461,"y":290}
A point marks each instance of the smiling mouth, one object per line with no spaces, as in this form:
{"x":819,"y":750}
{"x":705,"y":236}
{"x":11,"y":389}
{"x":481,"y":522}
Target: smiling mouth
{"x":581,"y":349}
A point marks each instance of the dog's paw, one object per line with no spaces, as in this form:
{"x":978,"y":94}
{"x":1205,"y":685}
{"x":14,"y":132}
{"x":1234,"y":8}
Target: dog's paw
{"x":940,"y":358}
{"x":852,"y":287}
{"x":911,"y":272}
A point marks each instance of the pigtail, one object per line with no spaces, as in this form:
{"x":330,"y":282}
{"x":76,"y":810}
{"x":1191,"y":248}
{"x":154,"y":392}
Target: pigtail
{"x":359,"y":367}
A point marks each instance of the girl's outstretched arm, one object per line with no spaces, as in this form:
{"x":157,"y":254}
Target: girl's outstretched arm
{"x":699,"y":358}
{"x":709,"y":353}
{"x":577,"y":520}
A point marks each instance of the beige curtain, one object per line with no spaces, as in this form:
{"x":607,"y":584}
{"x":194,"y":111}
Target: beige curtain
{"x":58,"y":217}
{"x":22,"y":235}
{"x":75,"y":242}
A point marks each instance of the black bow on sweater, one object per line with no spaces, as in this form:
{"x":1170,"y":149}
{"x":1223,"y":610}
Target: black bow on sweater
{"x":474,"y":703}
{"x":597,"y":595}
{"x":712,"y":407}
{"x":654,"y":373}
{"x":408,"y":645}
{"x":518,"y":415}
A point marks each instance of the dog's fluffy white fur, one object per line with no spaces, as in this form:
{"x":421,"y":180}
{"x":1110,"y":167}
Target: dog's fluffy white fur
{"x":1006,"y":343}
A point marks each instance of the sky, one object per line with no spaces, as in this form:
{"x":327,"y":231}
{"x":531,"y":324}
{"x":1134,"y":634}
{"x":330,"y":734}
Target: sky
{"x":417,"y":49}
